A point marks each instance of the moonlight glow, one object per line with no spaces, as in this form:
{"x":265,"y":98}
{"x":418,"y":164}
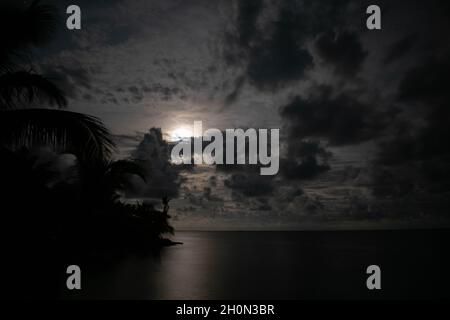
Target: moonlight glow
{"x":181,"y":133}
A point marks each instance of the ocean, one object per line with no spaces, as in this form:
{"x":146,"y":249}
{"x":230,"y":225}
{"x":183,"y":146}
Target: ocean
{"x":279,"y":265}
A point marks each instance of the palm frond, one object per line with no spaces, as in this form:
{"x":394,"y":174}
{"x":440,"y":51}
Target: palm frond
{"x":23,"y":87}
{"x":7,"y":62}
{"x":40,"y":21}
{"x":82,"y":135}
{"x":23,"y":26}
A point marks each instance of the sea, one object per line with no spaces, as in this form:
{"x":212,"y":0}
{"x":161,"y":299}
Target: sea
{"x":286,"y":265}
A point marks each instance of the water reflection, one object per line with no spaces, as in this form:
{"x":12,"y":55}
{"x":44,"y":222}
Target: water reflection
{"x":276,"y":265}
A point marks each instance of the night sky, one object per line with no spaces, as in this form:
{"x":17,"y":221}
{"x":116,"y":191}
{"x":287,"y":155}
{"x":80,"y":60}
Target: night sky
{"x":363,"y":115}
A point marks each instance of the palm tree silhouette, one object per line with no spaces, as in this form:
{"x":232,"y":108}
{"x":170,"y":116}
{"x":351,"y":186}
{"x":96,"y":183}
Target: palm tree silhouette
{"x":103,"y":181}
{"x":85,"y":136}
{"x":35,"y":228}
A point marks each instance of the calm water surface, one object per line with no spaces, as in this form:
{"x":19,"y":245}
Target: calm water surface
{"x":279,"y":265}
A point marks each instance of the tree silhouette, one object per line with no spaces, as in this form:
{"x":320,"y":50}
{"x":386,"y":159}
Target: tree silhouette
{"x":84,"y":136}
{"x":102,"y":182}
{"x":44,"y":220}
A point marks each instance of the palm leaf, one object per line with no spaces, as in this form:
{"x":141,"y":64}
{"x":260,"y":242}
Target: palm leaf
{"x":23,"y":25}
{"x":82,"y":135}
{"x":39,"y":22}
{"x":23,"y":87}
{"x":21,"y":28}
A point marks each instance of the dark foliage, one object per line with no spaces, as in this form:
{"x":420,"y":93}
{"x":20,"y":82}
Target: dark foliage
{"x":50,"y":219}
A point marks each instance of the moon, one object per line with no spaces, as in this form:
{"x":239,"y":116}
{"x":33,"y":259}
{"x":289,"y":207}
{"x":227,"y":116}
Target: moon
{"x":181,"y":133}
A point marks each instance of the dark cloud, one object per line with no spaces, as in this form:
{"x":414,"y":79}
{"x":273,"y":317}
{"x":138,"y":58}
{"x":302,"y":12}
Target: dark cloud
{"x":71,"y":79}
{"x":210,"y":195}
{"x":99,"y":26}
{"x":417,"y":189}
{"x":427,"y":81}
{"x":250,"y":184}
{"x":409,"y":144}
{"x":270,"y":40}
{"x":248,"y":13}
{"x":412,"y":168}
{"x":133,"y":90}
{"x":88,"y":97}
{"x":165,"y":93}
{"x":342,"y":50}
{"x":400,"y":48}
{"x":213,"y":181}
{"x":136,"y":94}
{"x":339,"y":118}
{"x":264,"y":205}
{"x":239,"y":39}
{"x":233,"y":96}
{"x":273,"y":55}
{"x":279,"y":60}
{"x":162,"y":177}
{"x":424,"y":92}
{"x":307,"y":159}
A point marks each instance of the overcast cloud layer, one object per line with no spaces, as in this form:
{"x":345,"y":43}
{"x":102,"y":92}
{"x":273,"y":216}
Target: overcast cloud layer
{"x":363,"y":115}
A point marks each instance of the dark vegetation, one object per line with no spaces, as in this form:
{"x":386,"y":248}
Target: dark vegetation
{"x":60,"y":185}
